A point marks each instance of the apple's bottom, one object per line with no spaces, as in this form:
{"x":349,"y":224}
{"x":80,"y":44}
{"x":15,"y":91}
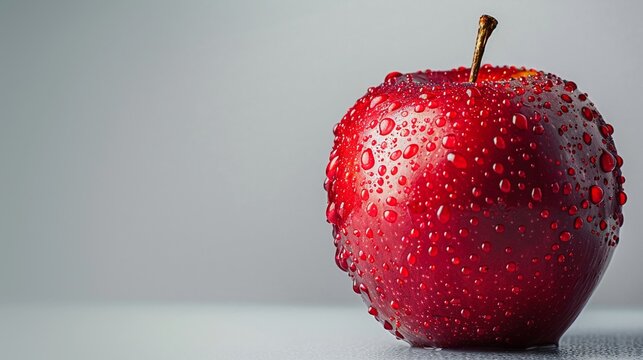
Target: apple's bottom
{"x":531,"y":341}
{"x":493,"y":347}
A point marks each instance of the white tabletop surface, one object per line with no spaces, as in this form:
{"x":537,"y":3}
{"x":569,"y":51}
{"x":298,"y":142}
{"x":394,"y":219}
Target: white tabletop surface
{"x":222,"y":332}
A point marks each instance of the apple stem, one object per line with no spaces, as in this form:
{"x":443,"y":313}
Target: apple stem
{"x":487,"y":24}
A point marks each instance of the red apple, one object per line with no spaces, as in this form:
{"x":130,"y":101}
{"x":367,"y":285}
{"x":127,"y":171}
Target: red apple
{"x":475,"y":213}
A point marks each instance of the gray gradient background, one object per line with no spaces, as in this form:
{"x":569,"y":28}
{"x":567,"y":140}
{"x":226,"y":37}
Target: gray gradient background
{"x":174,"y":151}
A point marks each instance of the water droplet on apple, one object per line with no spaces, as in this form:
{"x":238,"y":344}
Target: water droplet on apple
{"x":565,"y":236}
{"x":386,"y":126}
{"x":536,"y":194}
{"x":449,"y":141}
{"x":390,"y":216}
{"x":392,"y":75}
{"x":505,"y":185}
{"x":331,"y":168}
{"x":578,"y":223}
{"x":516,"y":290}
{"x":433,"y":250}
{"x":520,"y":121}
{"x":371,"y":209}
{"x":404,"y":271}
{"x":587,"y":113}
{"x":499,"y":142}
{"x":444,"y":214}
{"x":377,"y":100}
{"x":394,"y":304}
{"x":457,"y":160}
{"x":368,"y":160}
{"x":466,"y":313}
{"x":595,"y":194}
{"x":410,"y":151}
{"x":566,"y":98}
{"x":607,"y":161}
{"x":331,"y":214}
{"x":511,"y":266}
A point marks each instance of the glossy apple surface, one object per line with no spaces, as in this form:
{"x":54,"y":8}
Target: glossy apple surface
{"x":475,"y":214}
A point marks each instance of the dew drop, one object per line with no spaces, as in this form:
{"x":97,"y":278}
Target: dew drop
{"x":371,"y":209}
{"x":466,"y":313}
{"x":392,"y":75}
{"x":386,"y":126}
{"x":505,"y":185}
{"x":578,"y":223}
{"x":390,"y":216}
{"x":516,"y":290}
{"x":511,"y":266}
{"x":595,"y":194}
{"x":607,"y":161}
{"x":404,"y":271}
{"x":368,"y":160}
{"x":565,"y":236}
{"x":520,"y":121}
{"x":410,"y":151}
{"x":331,"y":213}
{"x":449,"y":141}
{"x":332,"y":166}
{"x":499,"y":142}
{"x":444,"y":214}
{"x":457,"y":160}
{"x":377,"y":100}
{"x":622,"y":198}
{"x":536,"y":194}
{"x":433,"y":250}
{"x":587,"y":113}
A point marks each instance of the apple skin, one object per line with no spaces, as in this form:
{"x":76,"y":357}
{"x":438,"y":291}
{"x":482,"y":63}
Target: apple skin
{"x":474,"y":214}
